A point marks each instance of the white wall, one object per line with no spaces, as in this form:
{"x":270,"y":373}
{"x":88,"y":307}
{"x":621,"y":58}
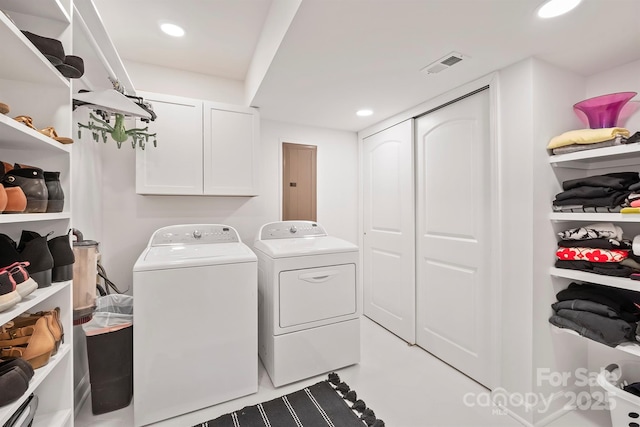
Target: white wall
{"x":130,"y":219}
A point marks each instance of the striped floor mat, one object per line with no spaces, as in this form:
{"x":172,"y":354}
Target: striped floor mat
{"x":329,"y":403}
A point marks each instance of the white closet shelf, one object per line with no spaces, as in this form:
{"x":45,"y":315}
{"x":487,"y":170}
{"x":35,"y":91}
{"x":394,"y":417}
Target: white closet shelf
{"x":593,"y":217}
{"x":22,"y":61}
{"x":35,"y":298}
{"x":15,"y":135}
{"x":53,"y":419}
{"x":39,"y":375}
{"x":583,"y":276}
{"x":44,"y":9}
{"x":33,"y":217}
{"x":628,"y":347}
{"x":607,"y":157}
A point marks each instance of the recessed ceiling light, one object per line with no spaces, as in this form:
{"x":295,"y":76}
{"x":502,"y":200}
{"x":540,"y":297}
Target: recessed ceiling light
{"x":172,"y":29}
{"x":364,"y":113}
{"x":554,"y":8}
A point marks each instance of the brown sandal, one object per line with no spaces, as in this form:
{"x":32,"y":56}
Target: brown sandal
{"x":51,"y":133}
{"x":26,"y":120}
{"x":4,"y":108}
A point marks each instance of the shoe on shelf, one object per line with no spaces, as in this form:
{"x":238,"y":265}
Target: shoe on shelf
{"x":4,"y":108}
{"x":24,"y":283}
{"x":31,"y":181}
{"x":13,"y":384}
{"x":3,"y":198}
{"x":10,"y":362}
{"x":25,"y":120}
{"x":28,"y":320}
{"x":55,"y":202}
{"x":16,"y":200}
{"x":9,"y":295}
{"x":63,"y":258}
{"x":33,"y":248}
{"x":39,"y":348}
{"x":51,"y":133}
{"x":72,"y":67}
{"x":52,"y":49}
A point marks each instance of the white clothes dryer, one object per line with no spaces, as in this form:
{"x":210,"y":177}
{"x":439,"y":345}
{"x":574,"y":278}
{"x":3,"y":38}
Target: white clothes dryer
{"x":195,"y":326}
{"x":309,"y":302}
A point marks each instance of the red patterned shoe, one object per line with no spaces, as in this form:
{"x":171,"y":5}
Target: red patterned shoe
{"x":9,"y":296}
{"x":24,"y":283}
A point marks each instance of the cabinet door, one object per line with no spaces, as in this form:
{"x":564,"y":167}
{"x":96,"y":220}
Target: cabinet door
{"x":231,"y":143}
{"x":175,"y":165}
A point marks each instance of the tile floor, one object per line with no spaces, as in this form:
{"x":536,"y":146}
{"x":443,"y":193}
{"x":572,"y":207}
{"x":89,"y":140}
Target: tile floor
{"x":404,"y":385}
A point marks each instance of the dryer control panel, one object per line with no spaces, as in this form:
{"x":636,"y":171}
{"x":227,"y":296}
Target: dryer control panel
{"x":291,"y":230}
{"x":194,"y":234}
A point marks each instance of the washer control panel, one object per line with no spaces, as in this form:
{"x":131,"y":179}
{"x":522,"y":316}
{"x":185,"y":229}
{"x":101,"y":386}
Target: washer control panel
{"x":291,"y":229}
{"x":194,"y":234}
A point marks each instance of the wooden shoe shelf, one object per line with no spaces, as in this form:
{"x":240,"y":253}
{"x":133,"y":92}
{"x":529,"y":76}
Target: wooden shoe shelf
{"x":32,"y":86}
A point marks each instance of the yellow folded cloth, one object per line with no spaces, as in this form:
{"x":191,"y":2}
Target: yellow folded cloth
{"x":586,"y":136}
{"x":630,"y":210}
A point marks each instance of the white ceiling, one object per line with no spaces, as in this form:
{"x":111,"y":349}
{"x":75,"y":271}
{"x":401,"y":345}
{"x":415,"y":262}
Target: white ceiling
{"x":342,"y":55}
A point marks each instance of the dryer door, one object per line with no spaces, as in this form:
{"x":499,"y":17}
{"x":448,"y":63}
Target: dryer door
{"x":314,"y":294}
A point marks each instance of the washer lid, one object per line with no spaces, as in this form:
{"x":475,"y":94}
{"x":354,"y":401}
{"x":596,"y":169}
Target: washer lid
{"x":191,"y":255}
{"x":283,"y":248}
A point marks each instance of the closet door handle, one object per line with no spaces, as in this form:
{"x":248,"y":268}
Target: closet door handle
{"x":318,"y":277}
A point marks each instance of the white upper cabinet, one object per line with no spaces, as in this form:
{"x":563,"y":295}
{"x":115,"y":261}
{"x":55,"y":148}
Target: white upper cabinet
{"x":175,"y":165}
{"x":204,"y":148}
{"x":231,"y":138}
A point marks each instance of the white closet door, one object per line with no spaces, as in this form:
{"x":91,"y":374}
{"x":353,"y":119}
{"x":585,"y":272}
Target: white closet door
{"x":389,"y":240}
{"x":453,"y":236}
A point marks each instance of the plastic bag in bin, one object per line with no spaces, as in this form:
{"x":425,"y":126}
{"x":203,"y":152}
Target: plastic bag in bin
{"x":113,"y":312}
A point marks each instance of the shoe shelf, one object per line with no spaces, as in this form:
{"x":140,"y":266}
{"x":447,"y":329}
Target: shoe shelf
{"x":15,"y":135}
{"x":33,"y":217}
{"x":593,"y":217}
{"x":44,"y":9}
{"x":55,"y":419}
{"x":601,"y":279}
{"x":22,"y":61}
{"x":628,"y":347}
{"x":39,"y":376}
{"x":33,"y":299}
{"x":608,"y":157}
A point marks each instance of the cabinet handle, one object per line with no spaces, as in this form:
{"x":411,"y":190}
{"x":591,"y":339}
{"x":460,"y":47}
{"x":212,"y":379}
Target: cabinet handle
{"x":319,"y":277}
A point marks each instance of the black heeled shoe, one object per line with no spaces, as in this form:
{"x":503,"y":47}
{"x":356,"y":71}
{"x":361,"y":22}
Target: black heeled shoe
{"x":34,"y":249}
{"x":55,"y":194}
{"x":63,"y":258}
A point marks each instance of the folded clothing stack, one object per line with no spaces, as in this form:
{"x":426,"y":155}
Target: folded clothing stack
{"x":610,"y":192}
{"x":596,"y":248}
{"x":601,"y":313}
{"x":589,"y":139}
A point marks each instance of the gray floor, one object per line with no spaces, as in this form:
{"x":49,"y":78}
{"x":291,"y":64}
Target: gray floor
{"x":404,"y":385}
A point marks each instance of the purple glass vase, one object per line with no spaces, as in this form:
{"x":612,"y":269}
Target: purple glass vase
{"x":603,"y":111}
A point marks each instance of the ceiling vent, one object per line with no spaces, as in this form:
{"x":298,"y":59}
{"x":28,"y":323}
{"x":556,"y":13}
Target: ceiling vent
{"x":443,"y":63}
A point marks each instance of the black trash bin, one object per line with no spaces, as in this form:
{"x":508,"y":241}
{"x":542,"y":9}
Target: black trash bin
{"x":110,"y":353}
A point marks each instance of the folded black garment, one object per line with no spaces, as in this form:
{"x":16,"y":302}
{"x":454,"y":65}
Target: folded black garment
{"x":604,"y":268}
{"x":614,"y":199}
{"x":621,"y":301}
{"x":588,"y":209}
{"x":616,"y":180}
{"x":586,"y":305}
{"x":595,"y":243}
{"x":602,"y":329}
{"x":634,"y":187}
{"x":633,"y":138}
{"x":585,"y":191}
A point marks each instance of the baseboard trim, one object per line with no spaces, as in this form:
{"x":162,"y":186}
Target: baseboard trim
{"x":81,"y":393}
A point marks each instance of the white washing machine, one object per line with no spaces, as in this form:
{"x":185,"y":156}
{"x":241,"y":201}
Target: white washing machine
{"x":195,"y":335}
{"x":309,"y":302}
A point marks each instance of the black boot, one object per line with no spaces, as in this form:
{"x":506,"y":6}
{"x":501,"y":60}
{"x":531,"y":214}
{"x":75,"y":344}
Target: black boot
{"x":55,"y":194}
{"x":34,"y":249}
{"x":63,"y":258}
{"x":8,"y":251}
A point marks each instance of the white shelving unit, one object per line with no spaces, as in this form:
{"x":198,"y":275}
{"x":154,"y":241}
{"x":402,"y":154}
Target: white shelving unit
{"x":32,"y":86}
{"x":596,"y":162}
{"x":630,"y":348}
